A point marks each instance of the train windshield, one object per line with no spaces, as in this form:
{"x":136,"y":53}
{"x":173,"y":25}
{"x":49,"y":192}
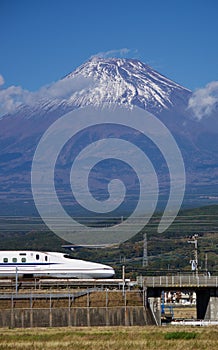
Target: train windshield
{"x":68,"y":256}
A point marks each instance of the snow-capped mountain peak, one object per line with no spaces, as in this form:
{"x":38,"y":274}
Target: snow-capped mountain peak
{"x":98,"y":81}
{"x":124,"y":81}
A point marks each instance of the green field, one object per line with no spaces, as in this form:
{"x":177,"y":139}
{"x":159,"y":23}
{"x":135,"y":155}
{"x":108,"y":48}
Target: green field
{"x":111,"y":338}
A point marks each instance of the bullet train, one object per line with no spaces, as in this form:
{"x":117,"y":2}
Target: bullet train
{"x":49,"y":264}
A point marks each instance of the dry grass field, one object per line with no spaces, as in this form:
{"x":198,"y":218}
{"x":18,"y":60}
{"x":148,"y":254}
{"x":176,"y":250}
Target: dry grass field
{"x":110,"y":338}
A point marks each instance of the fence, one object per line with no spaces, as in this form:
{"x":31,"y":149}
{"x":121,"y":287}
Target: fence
{"x":91,"y":308}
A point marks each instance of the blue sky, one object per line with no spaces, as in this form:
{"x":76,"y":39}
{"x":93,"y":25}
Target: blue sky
{"x":43,"y":40}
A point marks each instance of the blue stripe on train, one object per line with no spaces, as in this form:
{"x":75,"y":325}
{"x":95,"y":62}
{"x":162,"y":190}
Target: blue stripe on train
{"x":26,"y":264}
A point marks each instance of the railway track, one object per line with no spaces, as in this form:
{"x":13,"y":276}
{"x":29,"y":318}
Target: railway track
{"x":44,"y":283}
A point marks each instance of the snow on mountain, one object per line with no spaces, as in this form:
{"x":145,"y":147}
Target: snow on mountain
{"x":113,"y":80}
{"x":124,"y":81}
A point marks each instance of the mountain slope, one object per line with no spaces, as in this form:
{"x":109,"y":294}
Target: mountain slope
{"x":121,"y":81}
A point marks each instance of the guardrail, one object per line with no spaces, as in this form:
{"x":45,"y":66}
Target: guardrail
{"x":178,"y":281}
{"x":194,"y":323}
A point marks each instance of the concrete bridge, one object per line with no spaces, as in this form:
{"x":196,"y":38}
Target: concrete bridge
{"x":206,"y":288}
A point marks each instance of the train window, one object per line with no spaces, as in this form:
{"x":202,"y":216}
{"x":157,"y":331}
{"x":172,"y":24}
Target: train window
{"x":23,"y":260}
{"x":5,"y":260}
{"x":14,"y":259}
{"x":68,"y":256}
{"x":37,"y":256}
{"x":46,"y":258}
{"x":22,"y":253}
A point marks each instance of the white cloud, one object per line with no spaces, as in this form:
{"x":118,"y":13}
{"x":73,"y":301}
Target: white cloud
{"x":119,"y":52}
{"x":64,"y":88}
{"x":14,"y":96}
{"x":1,"y":80}
{"x":11,"y":98}
{"x":204,"y":102}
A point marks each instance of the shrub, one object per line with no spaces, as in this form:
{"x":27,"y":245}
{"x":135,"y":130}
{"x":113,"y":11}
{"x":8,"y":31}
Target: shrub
{"x":180,"y":335}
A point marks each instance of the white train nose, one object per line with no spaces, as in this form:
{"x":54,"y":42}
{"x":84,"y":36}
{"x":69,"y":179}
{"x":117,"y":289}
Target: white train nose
{"x":109,"y":272}
{"x":103,"y":272}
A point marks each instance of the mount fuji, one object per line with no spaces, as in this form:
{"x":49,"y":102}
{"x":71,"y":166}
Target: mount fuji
{"x":98,"y":82}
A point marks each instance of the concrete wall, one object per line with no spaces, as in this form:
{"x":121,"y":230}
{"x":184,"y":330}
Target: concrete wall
{"x":212,"y":307}
{"x":207,"y":304}
{"x":155,"y":308}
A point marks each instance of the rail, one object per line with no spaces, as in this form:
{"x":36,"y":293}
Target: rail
{"x":23,"y":296}
{"x":56,"y":283}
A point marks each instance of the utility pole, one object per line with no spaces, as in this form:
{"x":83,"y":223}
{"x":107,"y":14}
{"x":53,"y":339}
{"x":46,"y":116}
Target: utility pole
{"x":195,"y":261}
{"x":145,"y":251}
{"x":123,"y":278}
{"x":206,"y":263}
